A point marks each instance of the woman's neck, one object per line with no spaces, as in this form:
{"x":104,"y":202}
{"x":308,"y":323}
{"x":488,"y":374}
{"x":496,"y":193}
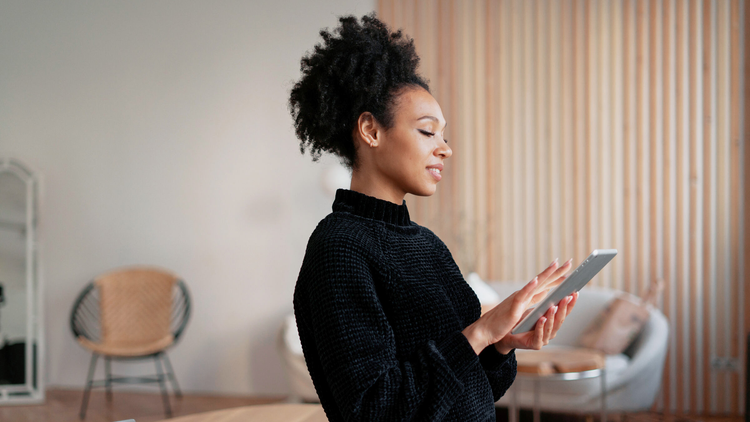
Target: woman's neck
{"x":364,"y":182}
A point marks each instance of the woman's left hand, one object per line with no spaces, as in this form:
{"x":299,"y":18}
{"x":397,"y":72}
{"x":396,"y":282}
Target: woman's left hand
{"x":545,"y":330}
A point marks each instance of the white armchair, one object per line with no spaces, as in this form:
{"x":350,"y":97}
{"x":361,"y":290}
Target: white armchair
{"x":633,"y":378}
{"x":290,"y":349}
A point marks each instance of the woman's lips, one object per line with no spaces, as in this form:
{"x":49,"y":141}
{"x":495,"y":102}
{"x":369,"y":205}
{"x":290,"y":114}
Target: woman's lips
{"x":435,"y":171}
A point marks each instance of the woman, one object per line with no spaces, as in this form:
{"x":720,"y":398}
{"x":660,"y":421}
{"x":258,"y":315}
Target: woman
{"x":389,"y":328}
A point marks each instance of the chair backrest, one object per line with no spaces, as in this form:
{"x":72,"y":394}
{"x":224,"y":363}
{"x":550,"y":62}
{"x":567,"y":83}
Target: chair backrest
{"x":131,"y":306}
{"x":135,"y":305}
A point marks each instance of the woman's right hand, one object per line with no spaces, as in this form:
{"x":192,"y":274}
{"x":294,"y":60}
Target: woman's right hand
{"x":500,"y":320}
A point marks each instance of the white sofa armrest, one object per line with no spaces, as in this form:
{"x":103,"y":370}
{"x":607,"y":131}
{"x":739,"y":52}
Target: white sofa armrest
{"x":647,"y":352}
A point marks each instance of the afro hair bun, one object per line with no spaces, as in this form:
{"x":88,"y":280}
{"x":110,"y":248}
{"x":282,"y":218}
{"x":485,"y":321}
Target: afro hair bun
{"x":359,"y":67}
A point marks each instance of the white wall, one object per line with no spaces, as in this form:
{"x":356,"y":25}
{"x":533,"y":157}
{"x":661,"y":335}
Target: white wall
{"x":162,"y":135}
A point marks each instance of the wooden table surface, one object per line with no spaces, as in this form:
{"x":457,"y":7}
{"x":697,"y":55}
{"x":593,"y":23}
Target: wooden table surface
{"x":558,"y":360}
{"x":287,"y":412}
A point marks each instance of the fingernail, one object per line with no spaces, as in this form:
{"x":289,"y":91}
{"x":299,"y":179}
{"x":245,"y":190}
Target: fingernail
{"x":554,"y":262}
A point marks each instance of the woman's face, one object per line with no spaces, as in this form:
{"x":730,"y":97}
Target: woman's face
{"x":409,"y":155}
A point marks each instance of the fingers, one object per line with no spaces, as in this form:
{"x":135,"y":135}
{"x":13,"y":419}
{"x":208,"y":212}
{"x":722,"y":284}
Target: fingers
{"x":554,"y":273}
{"x":544,"y":275}
{"x":538,"y":340}
{"x":546,"y":328}
{"x":555,"y":281}
{"x":539,"y":296}
{"x":564,"y":268}
{"x":528,"y":290}
{"x":573,"y":302}
{"x":543,"y":330}
{"x":550,"y":325}
{"x":531,"y":285}
{"x":562,"y":312}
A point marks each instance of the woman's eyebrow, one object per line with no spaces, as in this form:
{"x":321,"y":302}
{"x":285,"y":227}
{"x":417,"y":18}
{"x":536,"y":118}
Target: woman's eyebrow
{"x":433,"y":118}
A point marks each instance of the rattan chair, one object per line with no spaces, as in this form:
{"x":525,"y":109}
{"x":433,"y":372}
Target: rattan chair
{"x":132,"y":313}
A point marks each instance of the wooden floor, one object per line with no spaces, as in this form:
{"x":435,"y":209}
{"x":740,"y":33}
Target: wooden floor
{"x":63,"y":406}
{"x":527,"y":416}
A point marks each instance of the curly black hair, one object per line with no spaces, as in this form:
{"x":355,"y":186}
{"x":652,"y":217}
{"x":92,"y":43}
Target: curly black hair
{"x":359,"y":67}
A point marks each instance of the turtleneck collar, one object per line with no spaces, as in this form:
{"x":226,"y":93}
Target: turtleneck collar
{"x":369,"y":207}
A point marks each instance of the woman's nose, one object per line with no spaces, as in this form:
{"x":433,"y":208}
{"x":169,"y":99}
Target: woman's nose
{"x":444,"y":150}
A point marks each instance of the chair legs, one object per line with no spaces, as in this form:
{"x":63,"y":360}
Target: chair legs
{"x":162,"y":374}
{"x":89,"y":383}
{"x":108,"y":377}
{"x":172,"y":378}
{"x":162,"y":385}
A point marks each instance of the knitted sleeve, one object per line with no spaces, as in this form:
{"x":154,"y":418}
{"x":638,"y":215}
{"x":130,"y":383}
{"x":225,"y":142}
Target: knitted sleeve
{"x":345,"y":331}
{"x":500,"y":369}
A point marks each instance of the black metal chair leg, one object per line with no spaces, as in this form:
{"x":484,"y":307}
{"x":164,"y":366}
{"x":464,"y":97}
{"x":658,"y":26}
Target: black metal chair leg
{"x":108,"y":377}
{"x":163,"y":385}
{"x":170,"y":374}
{"x":89,"y":382}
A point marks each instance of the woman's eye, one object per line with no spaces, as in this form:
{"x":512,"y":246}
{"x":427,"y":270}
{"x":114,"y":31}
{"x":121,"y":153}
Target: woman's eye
{"x":430,"y":134}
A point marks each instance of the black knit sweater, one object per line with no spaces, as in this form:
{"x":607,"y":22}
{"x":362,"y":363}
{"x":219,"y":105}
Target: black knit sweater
{"x":380,"y":306}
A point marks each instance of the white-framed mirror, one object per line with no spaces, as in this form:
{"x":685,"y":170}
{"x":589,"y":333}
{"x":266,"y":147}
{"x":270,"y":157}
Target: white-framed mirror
{"x":21,"y":335}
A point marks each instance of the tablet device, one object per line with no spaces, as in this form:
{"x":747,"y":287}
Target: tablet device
{"x":575,"y":282}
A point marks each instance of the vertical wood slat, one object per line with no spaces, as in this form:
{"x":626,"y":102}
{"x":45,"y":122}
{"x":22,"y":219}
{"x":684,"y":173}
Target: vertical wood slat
{"x":707,"y":193}
{"x":505,"y":133}
{"x":641,"y":115}
{"x":628,"y":139}
{"x":693,"y":193}
{"x":478,"y":40}
{"x":490,"y":156}
{"x":542,"y":189}
{"x":744,"y":262}
{"x":566,"y":205}
{"x":617,"y":136}
{"x":589,"y":122}
{"x":579,"y":58}
{"x":516,"y":152}
{"x":681,"y":241}
{"x":464,"y":142}
{"x":720,"y":394}
{"x":640,"y":102}
{"x":585,"y":197}
{"x":667,"y":88}
{"x":654,"y":111}
{"x":607,"y":162}
{"x":554,"y":127}
{"x":527,"y":140}
{"x":736,"y":285}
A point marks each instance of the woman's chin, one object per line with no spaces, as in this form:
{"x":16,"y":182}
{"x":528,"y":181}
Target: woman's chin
{"x":425,"y":191}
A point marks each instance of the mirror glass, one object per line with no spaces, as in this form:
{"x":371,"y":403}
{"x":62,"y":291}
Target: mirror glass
{"x":19,"y":296}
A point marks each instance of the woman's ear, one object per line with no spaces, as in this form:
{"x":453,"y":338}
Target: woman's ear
{"x":367,"y":129}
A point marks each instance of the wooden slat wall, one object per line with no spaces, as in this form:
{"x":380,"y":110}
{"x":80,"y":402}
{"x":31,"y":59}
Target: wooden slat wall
{"x":578,"y":124}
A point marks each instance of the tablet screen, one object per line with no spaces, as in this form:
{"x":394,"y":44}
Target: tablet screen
{"x":575,"y":282}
